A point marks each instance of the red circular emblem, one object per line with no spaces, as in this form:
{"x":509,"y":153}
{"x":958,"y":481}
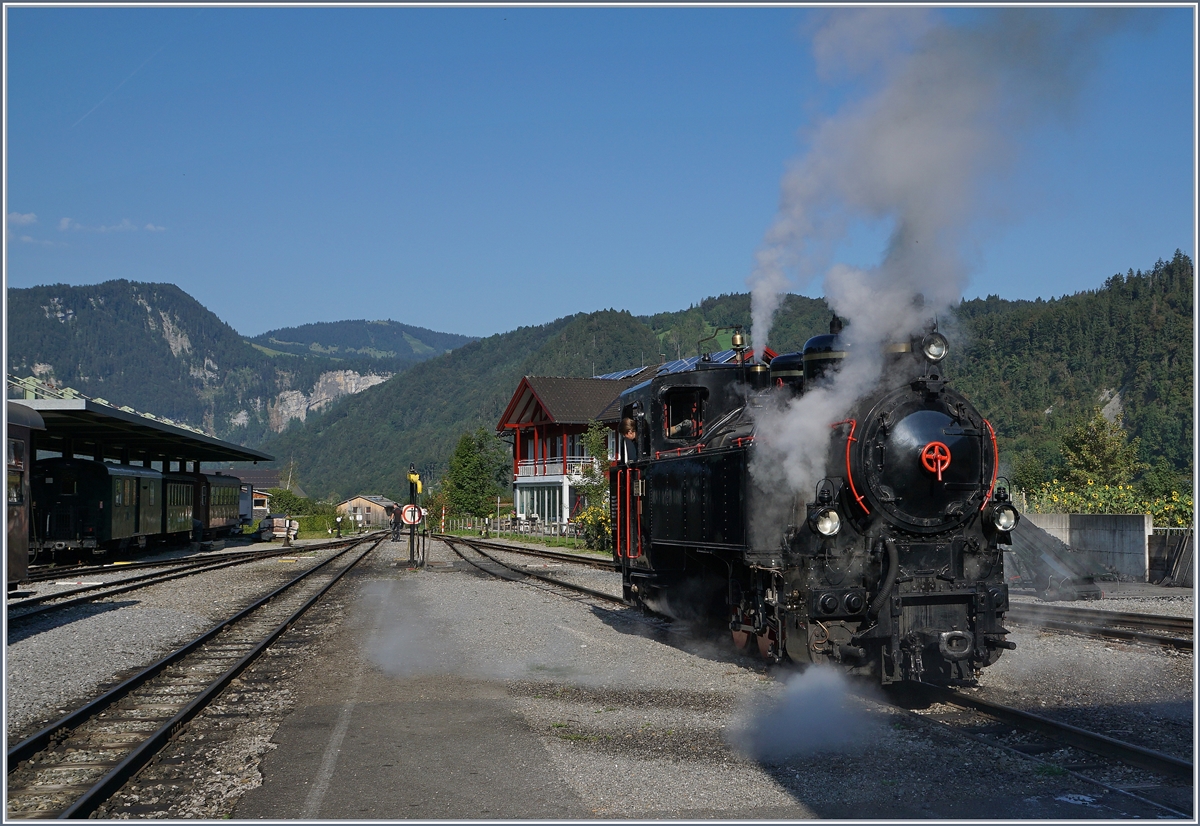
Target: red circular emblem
{"x":935,"y":457}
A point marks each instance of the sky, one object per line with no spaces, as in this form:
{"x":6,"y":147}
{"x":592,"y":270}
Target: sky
{"x":473,"y":170}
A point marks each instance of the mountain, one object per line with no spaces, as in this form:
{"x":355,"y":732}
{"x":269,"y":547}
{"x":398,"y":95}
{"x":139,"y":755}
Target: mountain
{"x":155,"y":348}
{"x":385,"y":341}
{"x":1030,"y":366}
{"x":418,"y":416}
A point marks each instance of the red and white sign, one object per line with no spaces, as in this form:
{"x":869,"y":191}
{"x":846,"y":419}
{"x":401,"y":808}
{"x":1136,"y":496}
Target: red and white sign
{"x":410,"y":515}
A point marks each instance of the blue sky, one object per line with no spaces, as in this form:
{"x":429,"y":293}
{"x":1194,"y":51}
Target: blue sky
{"x":472,"y":170}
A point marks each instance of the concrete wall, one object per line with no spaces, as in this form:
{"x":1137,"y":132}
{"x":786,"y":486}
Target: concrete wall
{"x":1119,"y":542}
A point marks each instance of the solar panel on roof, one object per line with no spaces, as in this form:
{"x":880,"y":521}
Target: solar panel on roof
{"x":622,"y":374}
{"x":683,"y":365}
{"x":677,"y":366}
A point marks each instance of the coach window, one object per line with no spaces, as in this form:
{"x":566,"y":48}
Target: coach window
{"x":683,"y":414}
{"x":16,"y":454}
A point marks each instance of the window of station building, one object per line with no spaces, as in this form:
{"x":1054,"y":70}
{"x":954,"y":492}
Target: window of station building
{"x":544,"y":503}
{"x":683,"y":413}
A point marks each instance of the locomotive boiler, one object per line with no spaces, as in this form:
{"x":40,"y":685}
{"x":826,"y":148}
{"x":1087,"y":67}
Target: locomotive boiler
{"x":889,"y":566}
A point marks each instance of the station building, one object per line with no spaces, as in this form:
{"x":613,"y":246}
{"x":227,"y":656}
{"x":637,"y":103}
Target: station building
{"x":547,"y":417}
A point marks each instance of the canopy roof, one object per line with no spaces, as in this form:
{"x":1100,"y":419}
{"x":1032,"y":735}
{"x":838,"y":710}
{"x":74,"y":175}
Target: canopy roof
{"x":94,"y":427}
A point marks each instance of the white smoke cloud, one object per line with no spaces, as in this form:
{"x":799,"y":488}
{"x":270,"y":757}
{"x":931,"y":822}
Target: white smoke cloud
{"x":946,"y":108}
{"x":943,"y":116}
{"x":816,"y":713}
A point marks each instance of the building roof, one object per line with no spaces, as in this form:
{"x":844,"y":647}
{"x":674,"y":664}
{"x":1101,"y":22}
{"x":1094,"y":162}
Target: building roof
{"x":562,"y":400}
{"x":382,"y":501}
{"x":262,"y":478}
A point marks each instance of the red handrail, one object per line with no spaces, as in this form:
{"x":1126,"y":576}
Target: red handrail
{"x":849,"y":476}
{"x":995,"y":465}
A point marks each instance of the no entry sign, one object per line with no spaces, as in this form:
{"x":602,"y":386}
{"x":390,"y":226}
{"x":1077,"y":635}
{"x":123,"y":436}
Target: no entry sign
{"x":410,"y":514}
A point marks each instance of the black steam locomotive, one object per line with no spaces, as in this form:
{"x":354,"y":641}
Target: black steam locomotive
{"x":890,"y":566}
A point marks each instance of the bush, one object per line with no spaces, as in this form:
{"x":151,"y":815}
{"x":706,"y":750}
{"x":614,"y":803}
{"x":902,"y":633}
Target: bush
{"x":597,"y":528}
{"x":1174,"y":510}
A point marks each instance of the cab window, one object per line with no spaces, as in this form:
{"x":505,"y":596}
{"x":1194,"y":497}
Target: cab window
{"x":683,"y":414}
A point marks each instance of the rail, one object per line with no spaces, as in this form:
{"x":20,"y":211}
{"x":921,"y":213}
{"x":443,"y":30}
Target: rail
{"x":454,"y":542}
{"x":1099,"y":744}
{"x":34,"y":791}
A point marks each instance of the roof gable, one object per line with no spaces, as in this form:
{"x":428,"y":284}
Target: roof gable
{"x":559,"y":400}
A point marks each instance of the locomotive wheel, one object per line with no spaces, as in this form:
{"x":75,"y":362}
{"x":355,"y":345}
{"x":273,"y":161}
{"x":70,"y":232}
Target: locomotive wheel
{"x":764,"y":645}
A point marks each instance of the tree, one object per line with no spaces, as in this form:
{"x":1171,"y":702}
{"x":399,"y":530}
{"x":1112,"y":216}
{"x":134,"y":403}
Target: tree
{"x":1028,"y":471}
{"x":1161,"y":480}
{"x":593,"y":486}
{"x":476,"y":469}
{"x":1097,"y":450}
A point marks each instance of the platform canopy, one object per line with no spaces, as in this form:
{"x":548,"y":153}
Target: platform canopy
{"x":91,"y":429}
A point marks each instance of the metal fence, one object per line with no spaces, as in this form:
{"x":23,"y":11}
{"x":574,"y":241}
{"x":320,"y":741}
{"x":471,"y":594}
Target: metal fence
{"x":559,"y":534}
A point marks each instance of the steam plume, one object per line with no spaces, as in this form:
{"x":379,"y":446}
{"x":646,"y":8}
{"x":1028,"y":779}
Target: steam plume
{"x":947,"y":107}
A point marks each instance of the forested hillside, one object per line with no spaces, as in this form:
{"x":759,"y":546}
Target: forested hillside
{"x":1031,"y":366}
{"x":367,"y":443}
{"x":390,"y":341}
{"x":156,"y":349}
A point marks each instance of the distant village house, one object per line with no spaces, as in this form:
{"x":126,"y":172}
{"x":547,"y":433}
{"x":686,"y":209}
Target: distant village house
{"x":372,"y":509}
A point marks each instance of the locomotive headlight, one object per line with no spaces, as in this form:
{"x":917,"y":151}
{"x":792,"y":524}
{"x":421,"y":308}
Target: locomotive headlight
{"x":826,"y":522}
{"x":935,"y":347}
{"x":1005,"y":517}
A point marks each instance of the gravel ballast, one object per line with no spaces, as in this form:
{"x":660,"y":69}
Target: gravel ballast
{"x":54,"y":663}
{"x":638,"y":722}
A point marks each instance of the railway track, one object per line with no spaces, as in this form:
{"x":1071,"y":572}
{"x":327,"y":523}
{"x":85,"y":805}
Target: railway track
{"x":46,"y":573}
{"x":1147,"y":628}
{"x":498,"y":568}
{"x":69,"y":768}
{"x":558,"y":556}
{"x":23,"y":610}
{"x":1060,"y":747}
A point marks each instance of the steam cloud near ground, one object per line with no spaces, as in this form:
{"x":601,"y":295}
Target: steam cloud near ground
{"x":946,"y":109}
{"x":816,"y":713}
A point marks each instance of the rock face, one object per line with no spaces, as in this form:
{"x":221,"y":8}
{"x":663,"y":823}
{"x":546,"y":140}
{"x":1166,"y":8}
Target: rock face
{"x":331,"y":386}
{"x":153,"y":348}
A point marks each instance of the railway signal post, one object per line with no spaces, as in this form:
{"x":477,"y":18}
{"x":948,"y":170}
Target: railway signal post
{"x":414,"y":489}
